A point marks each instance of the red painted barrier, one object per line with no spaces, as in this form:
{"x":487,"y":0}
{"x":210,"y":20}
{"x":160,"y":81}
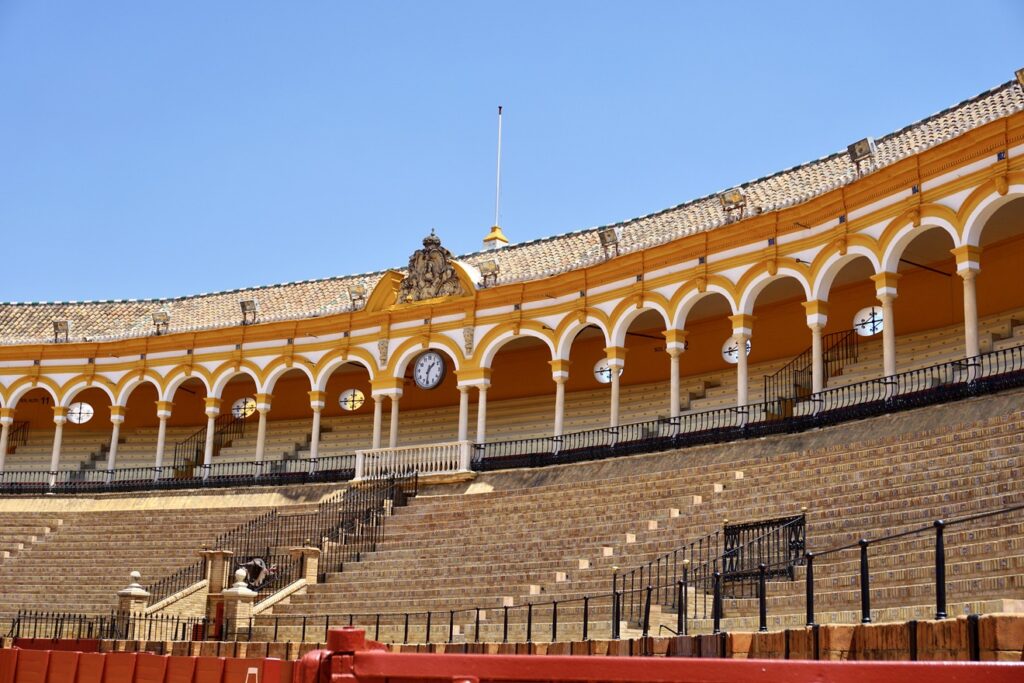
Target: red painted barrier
{"x":350,"y":658}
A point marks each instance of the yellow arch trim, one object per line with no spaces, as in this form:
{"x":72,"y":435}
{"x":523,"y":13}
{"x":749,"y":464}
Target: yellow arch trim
{"x":498,"y":330}
{"x":425,"y":341}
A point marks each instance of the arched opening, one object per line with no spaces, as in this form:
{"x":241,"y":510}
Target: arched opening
{"x":703,"y":370}
{"x":86,"y":438}
{"x":930,"y":291}
{"x":587,"y":388}
{"x":237,"y":437}
{"x":138,"y":433}
{"x":31,"y":435}
{"x":346,"y":420}
{"x":1002,"y":262}
{"x":645,"y":376}
{"x":521,"y":400}
{"x":780,"y":362}
{"x":430,"y":399}
{"x":854,"y":326}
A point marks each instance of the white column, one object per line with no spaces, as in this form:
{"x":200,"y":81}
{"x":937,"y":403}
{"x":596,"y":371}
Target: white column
{"x":463,"y":412}
{"x":673,"y":383}
{"x":263,"y":408}
{"x":6,"y":420}
{"x":60,"y":416}
{"x":885,"y":290}
{"x":393,"y":435}
{"x":163,"y":411}
{"x":212,"y":412}
{"x":888,"y":335}
{"x":817,"y":358}
{"x":481,"y":413}
{"x":971,"y":345}
{"x":742,"y":393}
{"x":116,"y":419}
{"x":317,"y":401}
{"x":613,"y":419}
{"x":378,"y":419}
{"x":560,"y":404}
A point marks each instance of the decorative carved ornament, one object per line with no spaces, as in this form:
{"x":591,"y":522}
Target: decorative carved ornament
{"x":431,"y":275}
{"x":382,"y":351}
{"x":468,"y":333}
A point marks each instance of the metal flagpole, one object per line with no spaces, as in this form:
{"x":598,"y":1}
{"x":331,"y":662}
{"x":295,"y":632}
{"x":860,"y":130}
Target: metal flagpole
{"x":497,"y":190}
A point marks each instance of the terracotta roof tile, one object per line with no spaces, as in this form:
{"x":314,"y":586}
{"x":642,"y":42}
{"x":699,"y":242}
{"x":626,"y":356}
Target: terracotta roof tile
{"x":100,"y":320}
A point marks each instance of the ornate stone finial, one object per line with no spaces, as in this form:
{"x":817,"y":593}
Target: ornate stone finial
{"x":240,"y":578}
{"x":431,"y":274}
{"x":135,"y":576}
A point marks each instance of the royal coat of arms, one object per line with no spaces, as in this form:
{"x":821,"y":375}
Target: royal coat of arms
{"x":431,"y":273}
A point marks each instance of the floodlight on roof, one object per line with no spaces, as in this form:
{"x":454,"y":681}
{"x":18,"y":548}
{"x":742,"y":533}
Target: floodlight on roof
{"x":61,"y":330}
{"x":861,"y":151}
{"x":609,"y":237}
{"x":733,"y":203}
{"x":250,"y":308}
{"x":161,"y":321}
{"x":357,"y":293}
{"x":489,"y":269}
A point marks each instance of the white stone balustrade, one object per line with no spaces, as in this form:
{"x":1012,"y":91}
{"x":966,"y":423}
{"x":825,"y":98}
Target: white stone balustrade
{"x":438,"y":458}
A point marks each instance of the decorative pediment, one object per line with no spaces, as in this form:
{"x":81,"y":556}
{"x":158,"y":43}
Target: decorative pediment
{"x":433,"y":274}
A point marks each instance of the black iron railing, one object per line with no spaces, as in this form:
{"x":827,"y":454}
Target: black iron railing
{"x":18,"y":434}
{"x":176,"y":582}
{"x":779,"y":543}
{"x":112,"y":626}
{"x":189,"y":452}
{"x":793,"y":381}
{"x":939,"y":383}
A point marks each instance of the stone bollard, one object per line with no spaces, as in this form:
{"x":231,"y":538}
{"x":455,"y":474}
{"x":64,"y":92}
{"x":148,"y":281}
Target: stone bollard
{"x":238,"y":601}
{"x":134,"y":598}
{"x":217,"y":563}
{"x":310,"y":558}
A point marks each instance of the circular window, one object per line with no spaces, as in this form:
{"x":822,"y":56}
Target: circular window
{"x":80,"y":413}
{"x":243,"y":407}
{"x":603,"y":371}
{"x":868,"y":321}
{"x":731,"y":349}
{"x":351,"y":399}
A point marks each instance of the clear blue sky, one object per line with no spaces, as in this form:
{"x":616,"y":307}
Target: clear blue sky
{"x":166,"y":148}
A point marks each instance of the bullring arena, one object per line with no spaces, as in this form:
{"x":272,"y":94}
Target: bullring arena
{"x":780,"y":422}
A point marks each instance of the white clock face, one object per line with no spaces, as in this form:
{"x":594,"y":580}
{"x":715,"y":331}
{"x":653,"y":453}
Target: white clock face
{"x":603,"y":371}
{"x":731,"y":350}
{"x":868,"y":321}
{"x":429,"y":370}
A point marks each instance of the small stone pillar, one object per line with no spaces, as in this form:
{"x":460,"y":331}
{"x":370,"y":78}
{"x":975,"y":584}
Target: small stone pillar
{"x":310,"y":558}
{"x":217,"y":563}
{"x":134,"y":598}
{"x":238,"y":602}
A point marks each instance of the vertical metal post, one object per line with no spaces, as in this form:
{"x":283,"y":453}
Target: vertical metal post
{"x":428,"y":627}
{"x":376,"y":627}
{"x":303,"y":630}
{"x":940,"y":570}
{"x":586,"y":616}
{"x":647,"y":612}
{"x":554,"y":621}
{"x":680,"y":606}
{"x":865,"y":583}
{"x":476,"y":635}
{"x":809,"y":585}
{"x":716,"y":603}
{"x":762,"y":599}
{"x":504,"y":624}
{"x":529,"y":622}
{"x":405,"y":632}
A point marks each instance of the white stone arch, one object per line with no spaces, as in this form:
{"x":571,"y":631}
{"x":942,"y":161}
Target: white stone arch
{"x":898,"y":244}
{"x":976,"y":221}
{"x":693,"y":297}
{"x":621,"y":326}
{"x":320,"y":383}
{"x":564,"y":345}
{"x":276,"y":373}
{"x":132,"y":385}
{"x":226,"y":376}
{"x":414,"y":350}
{"x":27,"y":387}
{"x":822,"y":285}
{"x":754,"y":288}
{"x":487,"y":357}
{"x":79,"y":387}
{"x":180,"y":378}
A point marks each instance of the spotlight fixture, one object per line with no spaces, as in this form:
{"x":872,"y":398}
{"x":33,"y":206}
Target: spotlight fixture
{"x":609,"y":239}
{"x":861,"y":151}
{"x":489,"y":270}
{"x":161,"y":321}
{"x":61,"y":330}
{"x":1019,"y":73}
{"x":734,"y":200}
{"x":250,"y":308}
{"x":357,"y":293}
